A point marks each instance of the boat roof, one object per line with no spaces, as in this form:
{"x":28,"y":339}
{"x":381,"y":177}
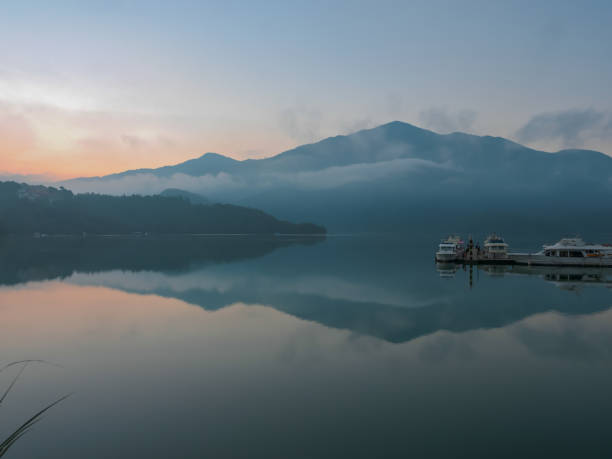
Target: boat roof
{"x":576,"y":243}
{"x":494,"y":239}
{"x":453,"y":239}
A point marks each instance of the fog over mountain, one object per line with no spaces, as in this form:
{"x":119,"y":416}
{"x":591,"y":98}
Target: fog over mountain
{"x":394,"y":177}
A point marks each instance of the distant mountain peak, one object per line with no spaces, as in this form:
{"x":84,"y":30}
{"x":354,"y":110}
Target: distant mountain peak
{"x":402,"y":125}
{"x":397,"y":123}
{"x":212,"y":155}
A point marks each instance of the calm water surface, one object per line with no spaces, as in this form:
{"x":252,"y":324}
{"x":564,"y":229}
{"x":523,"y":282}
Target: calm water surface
{"x":261,"y":347}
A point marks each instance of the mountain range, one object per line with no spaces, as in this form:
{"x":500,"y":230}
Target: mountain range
{"x":397,"y":177}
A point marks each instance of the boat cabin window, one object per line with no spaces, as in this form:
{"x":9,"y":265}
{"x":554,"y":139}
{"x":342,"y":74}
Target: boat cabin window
{"x":548,"y":253}
{"x":576,"y":254}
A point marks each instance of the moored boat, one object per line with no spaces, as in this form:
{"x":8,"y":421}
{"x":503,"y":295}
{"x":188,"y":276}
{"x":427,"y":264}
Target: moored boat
{"x":495,"y":248}
{"x":450,"y":249}
{"x":568,"y":252}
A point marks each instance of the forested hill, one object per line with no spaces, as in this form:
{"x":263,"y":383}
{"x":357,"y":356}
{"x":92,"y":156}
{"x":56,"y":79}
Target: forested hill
{"x":38,"y":209}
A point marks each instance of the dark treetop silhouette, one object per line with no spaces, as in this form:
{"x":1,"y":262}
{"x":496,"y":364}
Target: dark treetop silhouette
{"x":29,"y":209}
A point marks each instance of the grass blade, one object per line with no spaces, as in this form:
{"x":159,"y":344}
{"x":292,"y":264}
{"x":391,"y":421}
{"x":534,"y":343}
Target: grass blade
{"x":17,"y":362}
{"x":8,"y":389}
{"x":25,"y":427}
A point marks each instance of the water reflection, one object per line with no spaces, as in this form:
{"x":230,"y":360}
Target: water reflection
{"x":24,"y":259}
{"x":343,"y":347}
{"x":328,"y":281}
{"x":447,"y":270}
{"x":156,"y":378}
{"x":563,"y":277}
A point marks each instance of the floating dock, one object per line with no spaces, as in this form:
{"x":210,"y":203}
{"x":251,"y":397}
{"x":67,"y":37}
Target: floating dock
{"x":566,"y":252}
{"x":480,"y":257}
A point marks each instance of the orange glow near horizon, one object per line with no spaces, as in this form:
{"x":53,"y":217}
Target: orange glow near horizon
{"x":57,"y":143}
{"x":102,"y":158}
{"x":58,"y":167}
{"x":62,"y":143}
{"x":62,"y":136}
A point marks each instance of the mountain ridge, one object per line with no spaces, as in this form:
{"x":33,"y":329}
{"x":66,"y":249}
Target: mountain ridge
{"x":387,"y":177}
{"x":214,"y":163}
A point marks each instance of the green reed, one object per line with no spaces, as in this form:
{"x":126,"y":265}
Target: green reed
{"x":27,"y":425}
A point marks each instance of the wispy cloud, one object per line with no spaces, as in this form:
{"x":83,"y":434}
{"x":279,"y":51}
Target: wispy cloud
{"x":212,"y":185}
{"x":148,"y":184}
{"x":301,"y":124}
{"x":36,"y":138}
{"x":32,"y":179}
{"x":365,"y":172}
{"x":356,"y":125}
{"x":16,"y":132}
{"x":570,"y":127}
{"x":444,"y":121}
{"x":307,"y":124}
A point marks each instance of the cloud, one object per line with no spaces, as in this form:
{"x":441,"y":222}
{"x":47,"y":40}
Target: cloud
{"x":301,"y":124}
{"x":41,"y":139}
{"x":149,"y":184}
{"x":443,"y":121}
{"x":224,"y":184}
{"x":356,"y":125}
{"x":15,"y":131}
{"x":133,"y":141}
{"x":94,"y":144}
{"x":308,"y":125}
{"x":32,"y":179}
{"x":570,"y":127}
{"x":365,"y":172}
{"x":581,"y":338}
{"x":217,"y":278}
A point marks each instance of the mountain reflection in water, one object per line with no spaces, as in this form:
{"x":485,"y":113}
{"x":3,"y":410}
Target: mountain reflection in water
{"x":373,"y":286}
{"x":273,"y":347}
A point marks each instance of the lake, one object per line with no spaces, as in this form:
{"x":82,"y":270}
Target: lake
{"x":288,"y":347}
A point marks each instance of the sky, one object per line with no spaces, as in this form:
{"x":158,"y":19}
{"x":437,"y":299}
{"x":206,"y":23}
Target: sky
{"x":91,"y":88}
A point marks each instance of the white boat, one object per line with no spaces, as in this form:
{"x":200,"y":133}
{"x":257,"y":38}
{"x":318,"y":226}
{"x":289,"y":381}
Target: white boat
{"x":450,"y":249}
{"x":568,"y":252}
{"x":495,"y":248}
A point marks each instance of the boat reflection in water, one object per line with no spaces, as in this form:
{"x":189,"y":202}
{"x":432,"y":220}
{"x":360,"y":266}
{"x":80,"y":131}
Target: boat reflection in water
{"x":447,"y":270}
{"x":564,"y":277}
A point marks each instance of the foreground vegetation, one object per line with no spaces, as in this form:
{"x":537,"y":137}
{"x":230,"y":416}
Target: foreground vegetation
{"x":25,"y":427}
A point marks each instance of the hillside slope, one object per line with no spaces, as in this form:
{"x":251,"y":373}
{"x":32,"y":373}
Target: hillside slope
{"x":26,"y":209}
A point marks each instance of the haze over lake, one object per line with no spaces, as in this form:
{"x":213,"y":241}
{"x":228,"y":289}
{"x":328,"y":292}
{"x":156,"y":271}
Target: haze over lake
{"x":237,"y":350}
